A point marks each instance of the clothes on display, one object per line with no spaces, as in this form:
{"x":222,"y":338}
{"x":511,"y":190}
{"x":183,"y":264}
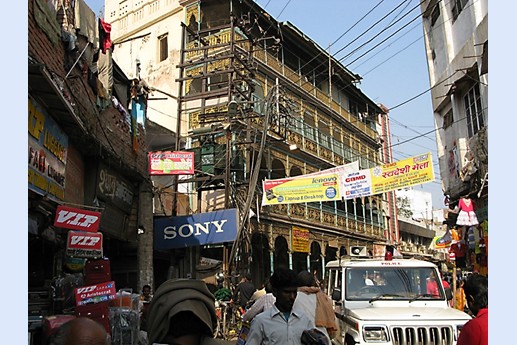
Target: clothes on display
{"x":466,"y":216}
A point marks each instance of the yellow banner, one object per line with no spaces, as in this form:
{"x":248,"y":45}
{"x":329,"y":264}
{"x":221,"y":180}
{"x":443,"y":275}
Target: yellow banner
{"x":324,"y":187}
{"x":404,"y":173}
{"x":299,"y":239}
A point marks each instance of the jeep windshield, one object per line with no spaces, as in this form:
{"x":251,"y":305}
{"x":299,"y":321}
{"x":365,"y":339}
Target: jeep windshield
{"x":392,"y":283}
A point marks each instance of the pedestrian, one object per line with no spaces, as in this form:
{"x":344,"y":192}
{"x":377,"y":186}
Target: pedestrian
{"x":81,"y":331}
{"x":280,"y":324}
{"x":262,"y":303}
{"x":243,"y":291}
{"x":316,"y":305}
{"x":460,"y":298}
{"x":261,"y":291}
{"x":475,"y":331}
{"x":182,"y":312}
{"x":144,"y":301}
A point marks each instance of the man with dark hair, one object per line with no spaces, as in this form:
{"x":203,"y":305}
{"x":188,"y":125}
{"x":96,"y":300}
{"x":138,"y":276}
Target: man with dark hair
{"x":475,"y":331}
{"x":81,"y":331}
{"x":182,"y":312}
{"x":244,"y":291}
{"x":316,"y":305}
{"x":280,"y":324}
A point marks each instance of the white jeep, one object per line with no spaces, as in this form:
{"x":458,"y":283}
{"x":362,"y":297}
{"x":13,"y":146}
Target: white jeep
{"x":395,"y":302}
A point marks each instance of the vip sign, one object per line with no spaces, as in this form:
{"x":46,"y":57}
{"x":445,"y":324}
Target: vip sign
{"x":95,"y":293}
{"x":84,"y":244}
{"x":77,"y":219}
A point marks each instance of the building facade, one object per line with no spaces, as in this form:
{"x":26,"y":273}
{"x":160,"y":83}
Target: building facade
{"x":254,"y":99}
{"x":456,"y":40}
{"x":85,"y":154}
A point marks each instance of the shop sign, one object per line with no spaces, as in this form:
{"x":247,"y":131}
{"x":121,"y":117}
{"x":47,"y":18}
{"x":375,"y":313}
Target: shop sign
{"x":84,"y":244}
{"x":171,"y":163}
{"x":47,"y":151}
{"x":95,"y":293}
{"x":77,"y":219}
{"x":300,"y":239}
{"x":194,"y":230}
{"x":113,"y":188}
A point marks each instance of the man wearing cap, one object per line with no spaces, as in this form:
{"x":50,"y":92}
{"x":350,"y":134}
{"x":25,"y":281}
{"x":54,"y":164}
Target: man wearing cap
{"x":182,"y":312}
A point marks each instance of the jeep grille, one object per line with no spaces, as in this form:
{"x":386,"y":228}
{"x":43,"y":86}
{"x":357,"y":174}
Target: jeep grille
{"x":425,"y":335}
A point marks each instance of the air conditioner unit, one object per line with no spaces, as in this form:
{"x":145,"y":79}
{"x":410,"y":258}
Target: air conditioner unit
{"x":358,"y":251}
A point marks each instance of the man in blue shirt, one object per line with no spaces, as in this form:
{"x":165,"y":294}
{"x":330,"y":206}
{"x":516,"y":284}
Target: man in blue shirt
{"x":280,"y":324}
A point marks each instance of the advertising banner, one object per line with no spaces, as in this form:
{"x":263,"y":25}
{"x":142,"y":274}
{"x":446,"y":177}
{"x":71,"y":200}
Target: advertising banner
{"x":171,"y":163}
{"x":84,"y":244}
{"x":299,"y":240}
{"x":388,"y":177}
{"x":77,"y":219}
{"x":404,"y":173}
{"x":301,"y":189}
{"x":194,"y":230}
{"x":95,"y":293}
{"x":47,"y":148}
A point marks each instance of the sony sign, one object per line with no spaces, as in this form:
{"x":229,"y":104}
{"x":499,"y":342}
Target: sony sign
{"x":194,"y":230}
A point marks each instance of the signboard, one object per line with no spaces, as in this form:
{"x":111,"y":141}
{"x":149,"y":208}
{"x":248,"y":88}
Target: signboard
{"x":194,"y":230}
{"x":95,"y":293}
{"x":299,"y":239}
{"x":84,"y":244}
{"x":404,"y":173}
{"x":47,"y":146}
{"x":114,"y":188}
{"x":77,"y":219}
{"x":171,"y":163}
{"x":300,"y":189}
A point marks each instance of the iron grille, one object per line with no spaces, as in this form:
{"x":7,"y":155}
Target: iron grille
{"x":425,"y":335}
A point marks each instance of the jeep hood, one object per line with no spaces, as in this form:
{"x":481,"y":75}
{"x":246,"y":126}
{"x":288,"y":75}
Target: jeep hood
{"x":408,"y":313}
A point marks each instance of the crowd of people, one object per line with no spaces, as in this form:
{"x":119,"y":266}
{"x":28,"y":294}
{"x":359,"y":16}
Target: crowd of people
{"x":288,"y":308}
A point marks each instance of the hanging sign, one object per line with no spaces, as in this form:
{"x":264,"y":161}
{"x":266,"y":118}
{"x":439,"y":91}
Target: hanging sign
{"x":95,"y":293}
{"x":77,"y":219}
{"x":171,"y":163}
{"x":299,"y":239}
{"x":84,"y":244}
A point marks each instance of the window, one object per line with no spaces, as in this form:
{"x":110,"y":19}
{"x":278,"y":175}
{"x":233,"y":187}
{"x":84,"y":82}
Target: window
{"x":457,"y":7}
{"x":164,"y":50}
{"x":473,"y":111}
{"x":448,"y":119}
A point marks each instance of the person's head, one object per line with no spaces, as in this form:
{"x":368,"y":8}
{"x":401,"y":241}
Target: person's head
{"x":247,"y":277}
{"x":81,"y":331}
{"x":146,"y":290}
{"x":181,"y":308}
{"x":306,"y":279}
{"x":284,"y":284}
{"x":476,"y":292}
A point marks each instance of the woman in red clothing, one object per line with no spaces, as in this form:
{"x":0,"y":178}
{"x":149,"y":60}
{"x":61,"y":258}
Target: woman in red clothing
{"x":432,"y":285}
{"x":475,"y":331}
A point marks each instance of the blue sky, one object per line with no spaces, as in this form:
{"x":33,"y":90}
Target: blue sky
{"x":393,"y":73}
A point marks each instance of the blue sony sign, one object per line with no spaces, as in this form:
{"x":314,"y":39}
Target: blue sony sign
{"x":196,"y":229}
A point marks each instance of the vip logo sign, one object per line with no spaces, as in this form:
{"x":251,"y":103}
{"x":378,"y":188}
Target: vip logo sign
{"x":95,"y":293}
{"x":84,"y":244}
{"x":77,"y":219}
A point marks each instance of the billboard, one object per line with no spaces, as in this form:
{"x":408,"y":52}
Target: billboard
{"x":196,"y":229}
{"x":171,"y":163}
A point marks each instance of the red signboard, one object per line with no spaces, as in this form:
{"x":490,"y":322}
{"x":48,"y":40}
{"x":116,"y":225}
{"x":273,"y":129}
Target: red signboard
{"x":171,"y":163}
{"x":95,"y":293}
{"x":77,"y":219}
{"x":84,"y":244}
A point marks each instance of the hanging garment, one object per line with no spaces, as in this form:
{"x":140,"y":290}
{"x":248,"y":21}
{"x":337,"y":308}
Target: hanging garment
{"x":104,"y":36}
{"x":466,"y":216}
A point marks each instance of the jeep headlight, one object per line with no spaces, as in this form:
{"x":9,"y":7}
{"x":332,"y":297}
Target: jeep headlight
{"x":375,"y":334}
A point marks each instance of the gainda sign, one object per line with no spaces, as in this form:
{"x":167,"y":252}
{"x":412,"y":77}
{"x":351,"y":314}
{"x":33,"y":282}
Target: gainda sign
{"x":194,"y":230}
{"x":77,"y":219}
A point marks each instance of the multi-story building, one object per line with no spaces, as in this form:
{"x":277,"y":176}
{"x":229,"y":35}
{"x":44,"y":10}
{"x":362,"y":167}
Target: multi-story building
{"x":255,"y":99}
{"x":456,"y":40}
{"x":84,"y":156}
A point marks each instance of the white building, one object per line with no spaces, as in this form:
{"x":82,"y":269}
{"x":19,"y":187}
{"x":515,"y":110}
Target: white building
{"x":456,"y":40}
{"x":420,"y":202}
